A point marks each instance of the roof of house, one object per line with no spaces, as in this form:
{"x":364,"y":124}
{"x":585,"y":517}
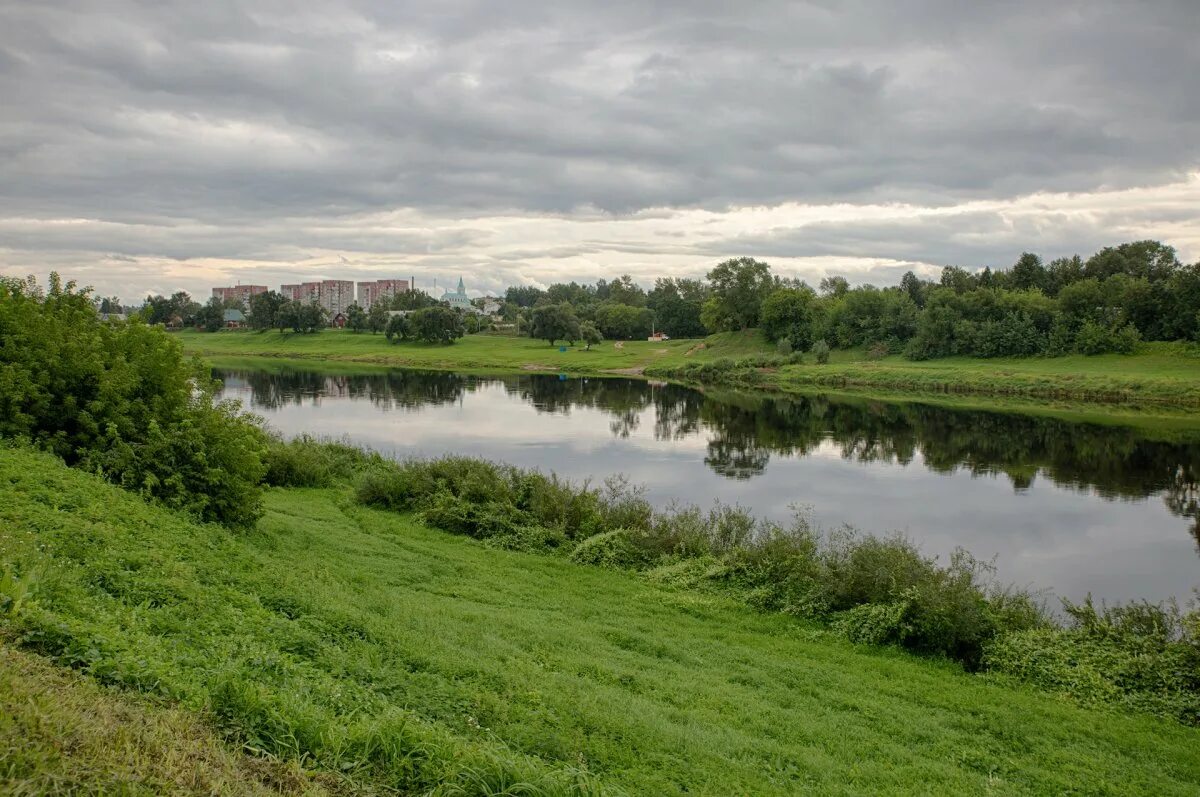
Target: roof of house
{"x":235,"y":315}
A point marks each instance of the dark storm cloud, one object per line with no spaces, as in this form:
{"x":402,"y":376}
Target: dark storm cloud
{"x":223,"y":129}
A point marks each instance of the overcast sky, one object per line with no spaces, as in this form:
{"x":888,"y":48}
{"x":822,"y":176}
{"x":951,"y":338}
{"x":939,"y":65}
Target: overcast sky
{"x":148,"y":147}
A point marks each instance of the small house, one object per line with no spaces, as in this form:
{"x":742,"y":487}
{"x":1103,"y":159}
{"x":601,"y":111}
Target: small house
{"x":338,"y":321}
{"x":234,"y":319}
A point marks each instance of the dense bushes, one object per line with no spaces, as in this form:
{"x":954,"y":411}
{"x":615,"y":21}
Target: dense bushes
{"x":1144,"y":656}
{"x":871,"y":590}
{"x":877,"y":590}
{"x":120,"y":399}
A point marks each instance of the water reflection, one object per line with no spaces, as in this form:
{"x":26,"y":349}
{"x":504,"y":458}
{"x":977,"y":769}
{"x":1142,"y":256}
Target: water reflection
{"x":741,"y":437}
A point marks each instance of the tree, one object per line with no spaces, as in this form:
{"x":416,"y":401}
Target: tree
{"x":677,"y":304}
{"x":435,"y":325}
{"x":264,"y":307}
{"x":412,"y":300}
{"x":834,"y":287}
{"x":622,"y":290}
{"x":1150,"y":259}
{"x":590,"y":335}
{"x":111,"y":304}
{"x":911,"y":284}
{"x":377,"y":318}
{"x":212,"y":315}
{"x":356,"y":318}
{"x":397,"y":328}
{"x":554,"y":322}
{"x":739,"y":287}
{"x":1028,"y":273}
{"x":312,"y":317}
{"x":523,"y":295}
{"x":787,"y":315}
{"x":624,"y":322}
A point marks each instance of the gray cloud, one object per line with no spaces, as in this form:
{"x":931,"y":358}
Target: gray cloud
{"x":267,"y":131}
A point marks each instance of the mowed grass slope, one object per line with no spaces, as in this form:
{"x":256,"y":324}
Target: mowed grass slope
{"x":1160,"y":374}
{"x":367,"y":644}
{"x":62,"y":733}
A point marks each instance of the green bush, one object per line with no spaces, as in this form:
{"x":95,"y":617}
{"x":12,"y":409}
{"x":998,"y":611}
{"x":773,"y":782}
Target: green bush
{"x":121,"y":400}
{"x":310,"y":462}
{"x":1143,"y":656}
{"x":820,"y":352}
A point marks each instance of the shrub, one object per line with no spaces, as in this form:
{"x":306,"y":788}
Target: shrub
{"x":1143,"y":656}
{"x":820,"y":352}
{"x":121,"y":400}
{"x":613,"y":549}
{"x":309,"y":462}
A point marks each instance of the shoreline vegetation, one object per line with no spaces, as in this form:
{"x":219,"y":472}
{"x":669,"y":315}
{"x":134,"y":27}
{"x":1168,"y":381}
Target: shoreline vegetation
{"x":350,"y":632}
{"x":1162,"y":376}
{"x":456,"y":626}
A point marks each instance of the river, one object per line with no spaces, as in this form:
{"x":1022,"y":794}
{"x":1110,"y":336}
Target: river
{"x":1067,"y":507}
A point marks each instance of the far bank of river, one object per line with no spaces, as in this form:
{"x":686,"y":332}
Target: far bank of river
{"x":1161,"y":377}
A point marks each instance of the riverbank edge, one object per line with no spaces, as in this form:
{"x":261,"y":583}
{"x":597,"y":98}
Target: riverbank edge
{"x":1161,"y":421}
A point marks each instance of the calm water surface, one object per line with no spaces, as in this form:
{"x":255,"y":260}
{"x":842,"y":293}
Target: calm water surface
{"x":1065,"y":506}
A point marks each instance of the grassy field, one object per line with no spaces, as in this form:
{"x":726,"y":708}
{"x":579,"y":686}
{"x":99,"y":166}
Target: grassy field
{"x":1160,"y":375}
{"x":363,"y":643}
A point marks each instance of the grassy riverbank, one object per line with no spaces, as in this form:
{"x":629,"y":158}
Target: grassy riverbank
{"x":1159,"y":375}
{"x":368,"y":644}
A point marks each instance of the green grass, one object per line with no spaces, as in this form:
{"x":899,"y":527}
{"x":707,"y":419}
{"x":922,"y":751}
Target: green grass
{"x":62,"y":733}
{"x":1159,"y":375}
{"x":471,"y":353}
{"x":367,"y":644}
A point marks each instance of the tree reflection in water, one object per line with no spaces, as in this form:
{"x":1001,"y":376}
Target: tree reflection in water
{"x":744,"y":430}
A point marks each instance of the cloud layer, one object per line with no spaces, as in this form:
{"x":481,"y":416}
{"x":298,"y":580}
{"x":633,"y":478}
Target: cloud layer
{"x":153,"y":146}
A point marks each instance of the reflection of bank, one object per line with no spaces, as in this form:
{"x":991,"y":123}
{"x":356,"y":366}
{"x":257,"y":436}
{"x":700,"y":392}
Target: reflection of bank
{"x":745,"y":430}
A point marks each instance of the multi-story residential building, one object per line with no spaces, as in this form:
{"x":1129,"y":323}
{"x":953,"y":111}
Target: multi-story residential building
{"x":371,"y":292}
{"x":309,"y":292}
{"x":290,"y":291}
{"x":238,"y":293}
{"x":336,"y":296}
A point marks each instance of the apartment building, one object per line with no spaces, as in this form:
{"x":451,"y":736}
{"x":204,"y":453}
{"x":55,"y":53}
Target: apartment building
{"x":377,"y":290}
{"x":335,"y":296}
{"x":238,"y":293}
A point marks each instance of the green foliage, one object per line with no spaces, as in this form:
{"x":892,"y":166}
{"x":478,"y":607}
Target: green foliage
{"x":554,"y":322}
{"x":788,"y":314}
{"x":677,"y":304}
{"x":589,"y":334}
{"x":398,"y":328}
{"x":356,"y":318}
{"x":621,"y":322}
{"x":377,"y":318}
{"x":820,"y":352}
{"x":738,"y":288}
{"x":435,"y":325}
{"x":265,"y":308}
{"x":122,"y":401}
{"x":313,"y":462}
{"x":1143,"y":656}
{"x":945,"y":610}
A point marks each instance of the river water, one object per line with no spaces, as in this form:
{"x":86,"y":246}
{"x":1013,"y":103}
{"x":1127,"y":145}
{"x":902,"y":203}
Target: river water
{"x":1071,"y":508}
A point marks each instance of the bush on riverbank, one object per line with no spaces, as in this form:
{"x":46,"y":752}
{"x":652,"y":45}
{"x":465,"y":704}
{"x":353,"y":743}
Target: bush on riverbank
{"x":121,"y":400}
{"x":951,"y":610}
{"x":872,"y":590}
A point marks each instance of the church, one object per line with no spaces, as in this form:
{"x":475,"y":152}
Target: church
{"x":458,"y":298}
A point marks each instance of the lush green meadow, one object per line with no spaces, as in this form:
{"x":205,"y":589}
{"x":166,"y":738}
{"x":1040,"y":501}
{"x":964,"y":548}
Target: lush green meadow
{"x":363,"y":643}
{"x":1160,"y":374}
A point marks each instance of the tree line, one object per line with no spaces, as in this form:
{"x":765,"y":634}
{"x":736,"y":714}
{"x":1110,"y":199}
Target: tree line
{"x":1109,"y":302}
